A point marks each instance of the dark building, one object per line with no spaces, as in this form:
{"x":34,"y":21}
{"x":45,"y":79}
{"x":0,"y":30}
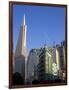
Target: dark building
{"x":32,"y":63}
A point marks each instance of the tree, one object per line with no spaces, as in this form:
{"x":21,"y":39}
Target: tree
{"x":17,"y":79}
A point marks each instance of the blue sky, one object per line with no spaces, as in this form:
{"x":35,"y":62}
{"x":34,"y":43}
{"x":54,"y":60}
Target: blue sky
{"x":44,"y":25}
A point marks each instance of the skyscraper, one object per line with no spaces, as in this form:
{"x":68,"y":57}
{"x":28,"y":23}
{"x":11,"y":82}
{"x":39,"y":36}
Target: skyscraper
{"x":21,"y":51}
{"x":45,"y":64}
{"x":61,"y":60}
{"x":21,"y":43}
{"x":33,"y":60}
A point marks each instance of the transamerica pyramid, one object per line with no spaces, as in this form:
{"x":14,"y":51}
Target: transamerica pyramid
{"x":20,"y":58}
{"x":21,"y":43}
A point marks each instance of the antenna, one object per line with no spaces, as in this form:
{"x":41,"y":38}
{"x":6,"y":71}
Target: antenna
{"x":24,"y":20}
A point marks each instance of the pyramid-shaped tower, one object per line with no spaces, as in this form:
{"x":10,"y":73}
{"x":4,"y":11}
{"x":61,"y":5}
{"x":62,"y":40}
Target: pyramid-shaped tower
{"x":21,"y":52}
{"x":21,"y":43}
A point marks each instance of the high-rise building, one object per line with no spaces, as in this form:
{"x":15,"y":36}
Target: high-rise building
{"x":20,"y":58}
{"x":45,"y":64}
{"x":61,"y":59}
{"x":33,"y":60}
{"x":21,"y":43}
{"x":55,"y":62}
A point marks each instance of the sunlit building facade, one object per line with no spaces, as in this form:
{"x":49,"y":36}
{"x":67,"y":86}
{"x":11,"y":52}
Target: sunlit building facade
{"x":45,"y":64}
{"x":20,"y":57}
{"x":61,"y":62}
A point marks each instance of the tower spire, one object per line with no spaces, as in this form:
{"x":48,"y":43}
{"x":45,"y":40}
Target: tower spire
{"x":21,"y":51}
{"x":24,"y":22}
{"x":21,"y":43}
